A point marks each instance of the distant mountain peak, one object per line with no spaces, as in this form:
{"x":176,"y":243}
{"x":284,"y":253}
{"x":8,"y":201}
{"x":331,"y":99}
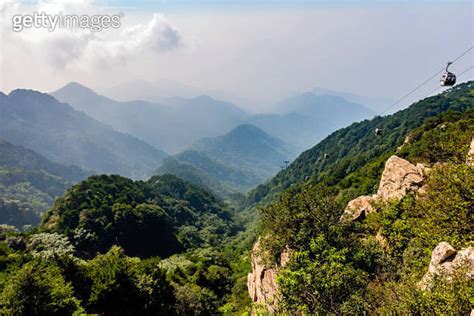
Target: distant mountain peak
{"x":25,"y":93}
{"x":76,"y":88}
{"x":247,"y":129}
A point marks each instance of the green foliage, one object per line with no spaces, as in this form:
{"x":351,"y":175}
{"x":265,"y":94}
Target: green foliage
{"x":328,"y":270}
{"x":145,"y":218}
{"x":452,"y":297}
{"x":38,"y":288}
{"x":320,"y":280}
{"x":335,"y":268}
{"x":355,"y":156}
{"x":29,"y":183}
{"x":447,"y":208}
{"x":443,"y":138}
{"x":121,"y":285}
{"x":299,"y":217}
{"x":374,"y":266}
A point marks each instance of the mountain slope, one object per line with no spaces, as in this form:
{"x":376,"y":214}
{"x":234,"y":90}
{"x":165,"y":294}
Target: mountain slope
{"x":391,"y":250}
{"x":29,"y":183}
{"x":305,"y":119}
{"x":158,"y":217}
{"x":248,"y":146}
{"x":347,"y":150}
{"x":60,"y":133}
{"x":234,"y":162}
{"x":173,"y":124}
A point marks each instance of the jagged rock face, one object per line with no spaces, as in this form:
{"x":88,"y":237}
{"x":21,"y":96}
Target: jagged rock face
{"x":445,"y":261}
{"x":261,"y":282}
{"x":358,"y":208}
{"x":399,"y":178}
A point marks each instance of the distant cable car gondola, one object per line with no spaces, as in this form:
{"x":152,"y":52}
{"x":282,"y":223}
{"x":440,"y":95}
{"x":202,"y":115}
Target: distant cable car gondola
{"x":448,"y":79}
{"x":378,"y":131}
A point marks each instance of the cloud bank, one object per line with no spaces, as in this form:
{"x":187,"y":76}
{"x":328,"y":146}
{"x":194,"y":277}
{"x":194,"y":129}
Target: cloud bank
{"x":82,"y":48}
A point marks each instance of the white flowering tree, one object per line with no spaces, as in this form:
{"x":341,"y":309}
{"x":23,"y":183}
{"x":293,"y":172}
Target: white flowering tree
{"x":50,"y":245}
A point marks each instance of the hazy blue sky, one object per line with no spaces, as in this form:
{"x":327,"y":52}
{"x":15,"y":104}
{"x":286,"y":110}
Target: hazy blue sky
{"x":255,"y":50}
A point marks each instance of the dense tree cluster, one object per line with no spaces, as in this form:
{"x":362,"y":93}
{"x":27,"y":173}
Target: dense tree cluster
{"x":343,"y":268}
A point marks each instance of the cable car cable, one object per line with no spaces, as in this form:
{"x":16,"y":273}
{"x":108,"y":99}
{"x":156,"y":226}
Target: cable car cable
{"x":424,"y":82}
{"x":462,"y":73}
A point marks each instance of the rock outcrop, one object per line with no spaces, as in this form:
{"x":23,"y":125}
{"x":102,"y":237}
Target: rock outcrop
{"x":446,"y":261}
{"x":399,"y":178}
{"x":358,"y":208}
{"x":470,"y":155}
{"x":261,"y":282}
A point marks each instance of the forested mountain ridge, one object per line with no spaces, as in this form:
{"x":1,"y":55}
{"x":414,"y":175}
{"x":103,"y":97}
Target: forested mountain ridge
{"x":402,"y":245}
{"x":19,"y":157}
{"x":29,"y":183}
{"x":80,"y":258}
{"x":234,"y":162}
{"x":339,"y":157}
{"x":158,"y":217}
{"x":58,"y":132}
{"x":202,"y":170}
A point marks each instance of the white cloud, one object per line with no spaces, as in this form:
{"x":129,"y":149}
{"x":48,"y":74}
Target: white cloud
{"x":83,"y":49}
{"x":157,"y":36}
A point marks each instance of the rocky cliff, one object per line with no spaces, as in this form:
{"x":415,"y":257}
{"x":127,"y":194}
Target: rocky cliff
{"x":399,"y":178}
{"x":261,"y":282}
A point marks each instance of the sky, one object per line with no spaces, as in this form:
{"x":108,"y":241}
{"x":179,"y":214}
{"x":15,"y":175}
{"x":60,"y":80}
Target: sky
{"x":253,"y":53}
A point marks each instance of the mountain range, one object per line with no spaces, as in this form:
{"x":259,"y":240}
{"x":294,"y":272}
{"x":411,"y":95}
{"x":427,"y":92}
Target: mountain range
{"x":112,"y":245}
{"x":171,"y":126}
{"x":58,"y":132}
{"x":175,"y":123}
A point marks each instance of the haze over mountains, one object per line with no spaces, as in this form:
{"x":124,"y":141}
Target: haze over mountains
{"x":234,"y":162}
{"x":29,"y":184}
{"x":55,"y":130}
{"x":175,"y":123}
{"x":170,"y":127}
{"x":305,"y":119}
{"x":216,"y":144}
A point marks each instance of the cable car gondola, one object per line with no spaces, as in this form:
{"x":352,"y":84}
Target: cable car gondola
{"x":448,"y":79}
